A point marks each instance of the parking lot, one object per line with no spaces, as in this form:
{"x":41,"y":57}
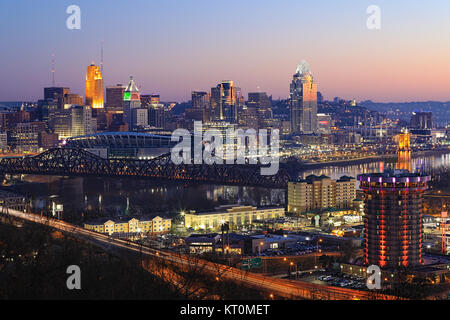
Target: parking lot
{"x":299,"y":249}
{"x":336,"y":280}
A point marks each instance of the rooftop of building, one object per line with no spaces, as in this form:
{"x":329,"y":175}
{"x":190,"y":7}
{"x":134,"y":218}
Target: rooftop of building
{"x":345,"y":179}
{"x":394,"y":176}
{"x":311,"y":178}
{"x":121,"y":133}
{"x":203,"y":238}
{"x":274,"y":237}
{"x":123,"y":219}
{"x":232,"y":208}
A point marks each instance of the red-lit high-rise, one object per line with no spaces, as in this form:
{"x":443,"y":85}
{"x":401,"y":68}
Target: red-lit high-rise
{"x":393,"y":218}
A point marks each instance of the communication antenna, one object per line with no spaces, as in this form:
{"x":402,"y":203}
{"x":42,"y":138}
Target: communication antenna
{"x":53,"y":69}
{"x":101,"y":63}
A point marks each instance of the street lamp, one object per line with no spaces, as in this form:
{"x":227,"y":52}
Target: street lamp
{"x":317,"y":250}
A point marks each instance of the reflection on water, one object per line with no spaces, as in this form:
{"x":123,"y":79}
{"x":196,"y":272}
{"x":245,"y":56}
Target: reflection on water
{"x":93,"y":197}
{"x":88,"y":198}
{"x":420,"y":163}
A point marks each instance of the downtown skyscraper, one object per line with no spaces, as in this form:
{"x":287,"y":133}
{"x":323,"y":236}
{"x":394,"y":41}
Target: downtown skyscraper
{"x":226,"y":101}
{"x":114,"y":97}
{"x":131,"y":104}
{"x":201,"y":102}
{"x":94,"y":87}
{"x":303,"y":101}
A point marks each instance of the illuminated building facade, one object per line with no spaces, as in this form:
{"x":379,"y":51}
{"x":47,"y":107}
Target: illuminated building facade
{"x":324,"y":123}
{"x":322,"y":192}
{"x":237,"y":216}
{"x":226,"y":100}
{"x":73,"y":121}
{"x":131,"y":101}
{"x":404,"y":151}
{"x":393,"y":218}
{"x":303,"y":101}
{"x":149,"y":99}
{"x":94,"y":87}
{"x":404,"y":141}
{"x":73,"y":99}
{"x":156,"y":225}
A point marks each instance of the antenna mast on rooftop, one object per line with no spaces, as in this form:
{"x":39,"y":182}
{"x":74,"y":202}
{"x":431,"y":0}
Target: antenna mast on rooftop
{"x":101,"y":63}
{"x":53,"y":70}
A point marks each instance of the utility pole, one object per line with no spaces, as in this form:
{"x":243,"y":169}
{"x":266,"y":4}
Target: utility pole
{"x":444,"y":215}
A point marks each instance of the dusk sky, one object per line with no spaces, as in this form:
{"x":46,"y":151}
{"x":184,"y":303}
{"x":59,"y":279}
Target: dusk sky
{"x":172,"y":47}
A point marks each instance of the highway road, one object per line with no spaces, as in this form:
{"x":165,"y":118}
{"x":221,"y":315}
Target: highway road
{"x":272,"y":286}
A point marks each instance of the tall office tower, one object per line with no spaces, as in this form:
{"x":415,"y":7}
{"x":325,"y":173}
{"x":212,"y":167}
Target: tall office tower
{"x":226,"y":99}
{"x":149,"y":99}
{"x":131,"y":100}
{"x":249,"y":118}
{"x":240,"y":103}
{"x":215,"y":110}
{"x":73,"y":98}
{"x":157,"y":116}
{"x":114,"y":97}
{"x":72,"y":121}
{"x":94,"y":87}
{"x":260,"y":102}
{"x":201,"y":102}
{"x":60,"y":122}
{"x":303,"y":101}
{"x":139,"y":117}
{"x":58,"y":94}
{"x":229,"y":101}
{"x":25,"y":136}
{"x":393,"y":218}
{"x":45,"y":107}
{"x":81,"y":121}
{"x":422,"y":120}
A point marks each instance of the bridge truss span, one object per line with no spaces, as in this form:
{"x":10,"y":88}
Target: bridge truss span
{"x":74,"y":161}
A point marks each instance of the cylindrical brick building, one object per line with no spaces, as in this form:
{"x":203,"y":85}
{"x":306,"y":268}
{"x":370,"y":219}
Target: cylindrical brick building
{"x":393,"y":218}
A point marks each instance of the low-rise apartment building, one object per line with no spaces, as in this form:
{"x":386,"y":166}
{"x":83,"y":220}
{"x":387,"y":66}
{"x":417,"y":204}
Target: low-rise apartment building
{"x":236,"y":215}
{"x":156,"y":225}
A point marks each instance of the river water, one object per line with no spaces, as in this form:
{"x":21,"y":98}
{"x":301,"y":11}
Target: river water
{"x":85,"y":198}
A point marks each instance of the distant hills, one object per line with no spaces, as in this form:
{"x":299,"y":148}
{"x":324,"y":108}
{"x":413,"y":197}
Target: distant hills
{"x":403,"y":110}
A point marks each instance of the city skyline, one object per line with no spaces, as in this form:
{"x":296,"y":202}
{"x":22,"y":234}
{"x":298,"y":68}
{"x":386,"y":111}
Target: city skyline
{"x":173,"y":53}
{"x":197,"y":151}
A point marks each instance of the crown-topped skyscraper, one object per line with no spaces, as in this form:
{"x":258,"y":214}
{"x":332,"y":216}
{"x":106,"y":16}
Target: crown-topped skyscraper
{"x":303,"y":101}
{"x":131,"y":101}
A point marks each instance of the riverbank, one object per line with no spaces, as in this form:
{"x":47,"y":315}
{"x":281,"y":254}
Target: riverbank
{"x":391,"y":157}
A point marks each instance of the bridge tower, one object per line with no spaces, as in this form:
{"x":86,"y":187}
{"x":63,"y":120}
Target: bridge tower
{"x":404,"y":150}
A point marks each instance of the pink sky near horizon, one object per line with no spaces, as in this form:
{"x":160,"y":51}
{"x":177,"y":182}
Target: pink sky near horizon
{"x":190,"y":47}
